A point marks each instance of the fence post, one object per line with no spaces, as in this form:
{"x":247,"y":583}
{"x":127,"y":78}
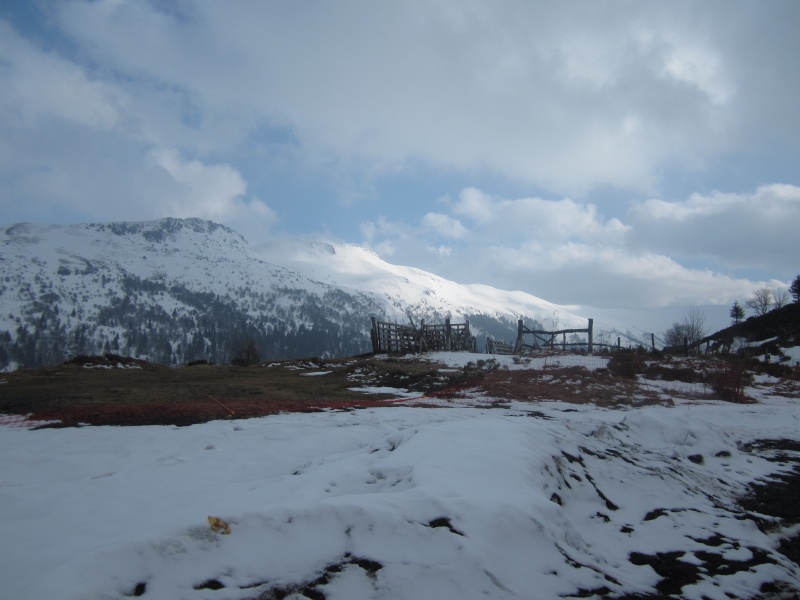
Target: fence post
{"x":591,"y":330}
{"x":376,"y":348}
{"x":447,"y":342}
{"x":518,"y":345}
{"x":653,"y":341}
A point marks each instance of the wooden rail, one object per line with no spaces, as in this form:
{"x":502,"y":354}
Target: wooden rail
{"x":498,"y":347}
{"x":548,"y":338}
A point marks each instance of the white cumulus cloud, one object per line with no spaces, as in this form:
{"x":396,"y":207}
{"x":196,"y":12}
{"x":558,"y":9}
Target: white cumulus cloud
{"x":565,"y":251}
{"x":445,"y":225}
{"x":758,"y":229}
{"x":215,"y":192}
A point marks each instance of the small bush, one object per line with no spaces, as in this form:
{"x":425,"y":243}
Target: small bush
{"x":482,"y":365}
{"x":687,"y":374}
{"x":729,"y":381}
{"x":625,"y":364}
{"x":245,"y":351}
{"x":83,"y":359}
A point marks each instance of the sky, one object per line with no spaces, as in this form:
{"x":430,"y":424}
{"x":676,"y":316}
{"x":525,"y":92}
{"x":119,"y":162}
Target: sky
{"x":610,"y":154}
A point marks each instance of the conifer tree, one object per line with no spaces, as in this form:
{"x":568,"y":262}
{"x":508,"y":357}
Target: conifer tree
{"x":794,"y":289}
{"x":737,"y":312}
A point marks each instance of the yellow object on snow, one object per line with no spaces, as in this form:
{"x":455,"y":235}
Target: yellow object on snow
{"x":220,"y":525}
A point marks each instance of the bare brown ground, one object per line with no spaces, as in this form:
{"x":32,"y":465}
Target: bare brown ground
{"x":576,"y":385}
{"x":99,"y":391}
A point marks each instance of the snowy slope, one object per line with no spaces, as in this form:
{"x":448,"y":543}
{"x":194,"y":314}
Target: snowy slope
{"x":358,"y":269}
{"x":404,"y":288}
{"x":172,"y":279}
{"x":193,"y":251}
{"x":546,"y":502}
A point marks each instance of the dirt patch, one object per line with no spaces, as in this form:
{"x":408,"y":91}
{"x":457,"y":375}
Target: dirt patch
{"x":576,"y":385}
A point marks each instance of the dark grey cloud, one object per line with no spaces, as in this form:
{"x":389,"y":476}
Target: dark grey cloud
{"x":568,"y":95}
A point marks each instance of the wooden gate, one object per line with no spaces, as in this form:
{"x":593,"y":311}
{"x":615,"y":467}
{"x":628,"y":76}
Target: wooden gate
{"x":548,"y":338}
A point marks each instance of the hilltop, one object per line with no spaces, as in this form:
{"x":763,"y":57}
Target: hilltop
{"x":773,"y":336}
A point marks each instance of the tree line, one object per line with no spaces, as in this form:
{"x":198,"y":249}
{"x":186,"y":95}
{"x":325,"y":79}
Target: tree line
{"x":692,"y":329}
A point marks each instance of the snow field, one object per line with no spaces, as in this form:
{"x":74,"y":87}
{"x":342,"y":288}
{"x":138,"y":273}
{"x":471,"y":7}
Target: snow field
{"x":443,"y":503}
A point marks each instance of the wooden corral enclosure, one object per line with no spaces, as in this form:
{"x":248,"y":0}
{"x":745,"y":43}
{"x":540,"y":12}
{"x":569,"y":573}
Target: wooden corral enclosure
{"x":395,"y":338}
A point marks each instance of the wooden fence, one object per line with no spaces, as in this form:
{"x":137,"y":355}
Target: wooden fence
{"x":396,"y":338}
{"x":393,"y":338}
{"x":548,"y":339}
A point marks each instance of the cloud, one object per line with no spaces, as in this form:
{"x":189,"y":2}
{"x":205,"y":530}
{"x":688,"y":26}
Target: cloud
{"x":441,"y":250}
{"x":445,"y":226}
{"x":566,"y":252}
{"x":73,"y":139}
{"x":215,"y":192}
{"x":569,"y":98}
{"x":543,"y":220}
{"x":476,"y":205}
{"x":40,"y":86}
{"x":582,"y":119}
{"x":564,"y":96}
{"x":384,"y":228}
{"x":597,"y":275}
{"x":701,"y":68}
{"x":209,"y":190}
{"x":757,"y":230}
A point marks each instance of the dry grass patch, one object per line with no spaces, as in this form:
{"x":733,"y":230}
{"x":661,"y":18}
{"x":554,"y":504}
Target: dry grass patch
{"x":576,"y":385}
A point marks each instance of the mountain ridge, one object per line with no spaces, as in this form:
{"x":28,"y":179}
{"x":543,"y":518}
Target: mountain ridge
{"x":175,"y":290}
{"x":359,"y":269}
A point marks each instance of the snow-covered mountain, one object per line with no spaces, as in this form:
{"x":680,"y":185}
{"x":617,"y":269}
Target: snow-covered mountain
{"x":176,"y":290}
{"x":401,"y":289}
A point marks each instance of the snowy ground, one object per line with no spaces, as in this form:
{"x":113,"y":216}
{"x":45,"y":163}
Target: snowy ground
{"x":543,"y":500}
